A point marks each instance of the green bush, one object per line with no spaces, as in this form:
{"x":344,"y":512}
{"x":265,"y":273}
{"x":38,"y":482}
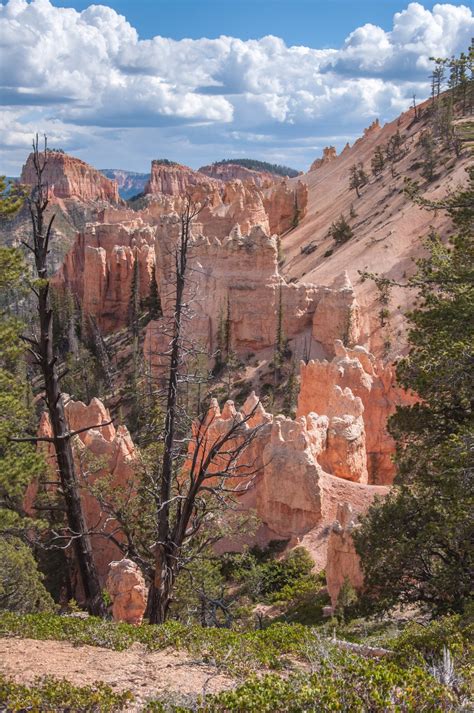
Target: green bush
{"x":339,"y":682}
{"x":419,"y":643}
{"x":21,"y":585}
{"x":340,"y":231}
{"x":51,"y":695}
{"x":352,"y":685}
{"x":274,"y":580}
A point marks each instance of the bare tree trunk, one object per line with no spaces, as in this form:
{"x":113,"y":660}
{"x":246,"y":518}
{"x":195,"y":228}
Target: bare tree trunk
{"x":43,"y":352}
{"x":162,"y":586}
{"x":164,"y":560}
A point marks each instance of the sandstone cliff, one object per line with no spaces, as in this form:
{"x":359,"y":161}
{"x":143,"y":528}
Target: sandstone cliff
{"x":174,"y":179}
{"x":69,"y":177}
{"x":99,"y":269}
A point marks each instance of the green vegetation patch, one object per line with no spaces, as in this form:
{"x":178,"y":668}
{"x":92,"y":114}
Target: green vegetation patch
{"x":51,"y":694}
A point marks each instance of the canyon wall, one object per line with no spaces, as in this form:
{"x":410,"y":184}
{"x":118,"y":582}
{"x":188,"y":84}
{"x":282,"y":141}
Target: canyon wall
{"x":100,"y":269}
{"x":237,"y":221}
{"x":236,"y":281}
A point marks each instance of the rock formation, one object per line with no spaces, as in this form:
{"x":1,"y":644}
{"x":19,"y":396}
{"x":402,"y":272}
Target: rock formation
{"x":286,"y":205}
{"x":128,"y":591}
{"x":337,"y":315}
{"x":228,"y":280}
{"x":293,"y":474}
{"x":343,"y":563}
{"x":372,"y":128}
{"x":292,"y":492}
{"x":329,"y":154}
{"x":70,"y":178}
{"x":373,"y":384}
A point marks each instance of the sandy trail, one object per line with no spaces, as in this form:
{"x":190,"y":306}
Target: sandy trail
{"x":147,"y":674}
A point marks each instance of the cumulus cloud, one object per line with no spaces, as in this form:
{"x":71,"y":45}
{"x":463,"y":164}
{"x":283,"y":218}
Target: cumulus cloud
{"x":90,"y":69}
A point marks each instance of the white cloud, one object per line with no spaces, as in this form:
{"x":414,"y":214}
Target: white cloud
{"x":90,"y":69}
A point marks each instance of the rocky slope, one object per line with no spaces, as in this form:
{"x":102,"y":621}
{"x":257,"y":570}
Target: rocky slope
{"x":388,"y":228}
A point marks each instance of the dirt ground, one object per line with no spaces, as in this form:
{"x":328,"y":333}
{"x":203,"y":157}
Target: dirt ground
{"x":147,"y":674}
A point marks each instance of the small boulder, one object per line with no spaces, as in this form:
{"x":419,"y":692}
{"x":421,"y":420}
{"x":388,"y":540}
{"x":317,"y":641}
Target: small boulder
{"x":126,"y":586}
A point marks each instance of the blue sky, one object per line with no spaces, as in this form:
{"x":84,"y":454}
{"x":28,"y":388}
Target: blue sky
{"x":121,"y":83}
{"x":315,"y":23}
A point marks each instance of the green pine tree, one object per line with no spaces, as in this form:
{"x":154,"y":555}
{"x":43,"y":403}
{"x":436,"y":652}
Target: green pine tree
{"x":416,"y":545}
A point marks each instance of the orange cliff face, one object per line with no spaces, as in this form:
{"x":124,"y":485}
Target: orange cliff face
{"x":238,"y":279}
{"x":68,"y":177}
{"x":100,"y":266}
{"x":233,"y":171}
{"x":174,"y":179}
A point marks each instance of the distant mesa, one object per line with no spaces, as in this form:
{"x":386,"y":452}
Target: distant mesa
{"x":252,"y":165}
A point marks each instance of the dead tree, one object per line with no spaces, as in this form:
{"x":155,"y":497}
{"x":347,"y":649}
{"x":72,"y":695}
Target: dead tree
{"x":190,"y":487}
{"x":41,"y":348}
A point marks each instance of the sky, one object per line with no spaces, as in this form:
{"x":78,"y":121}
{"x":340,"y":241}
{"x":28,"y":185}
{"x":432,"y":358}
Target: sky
{"x":120,"y":83}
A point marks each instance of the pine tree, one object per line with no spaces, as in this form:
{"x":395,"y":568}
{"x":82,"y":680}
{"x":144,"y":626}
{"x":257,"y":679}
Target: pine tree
{"x":340,"y":231}
{"x":12,"y":197}
{"x":291,"y":391}
{"x":429,"y":159}
{"x":437,"y":77}
{"x":394,"y":151}
{"x":378,"y":161}
{"x":280,"y":341}
{"x":416,"y":545}
{"x":357,"y":178}
{"x":134,"y":303}
{"x":154,"y":302}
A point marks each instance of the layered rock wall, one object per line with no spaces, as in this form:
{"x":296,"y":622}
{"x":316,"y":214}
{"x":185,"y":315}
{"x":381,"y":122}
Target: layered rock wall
{"x":235,"y":281}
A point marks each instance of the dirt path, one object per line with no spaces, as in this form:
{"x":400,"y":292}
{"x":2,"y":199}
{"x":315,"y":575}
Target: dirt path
{"x":147,"y":674}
